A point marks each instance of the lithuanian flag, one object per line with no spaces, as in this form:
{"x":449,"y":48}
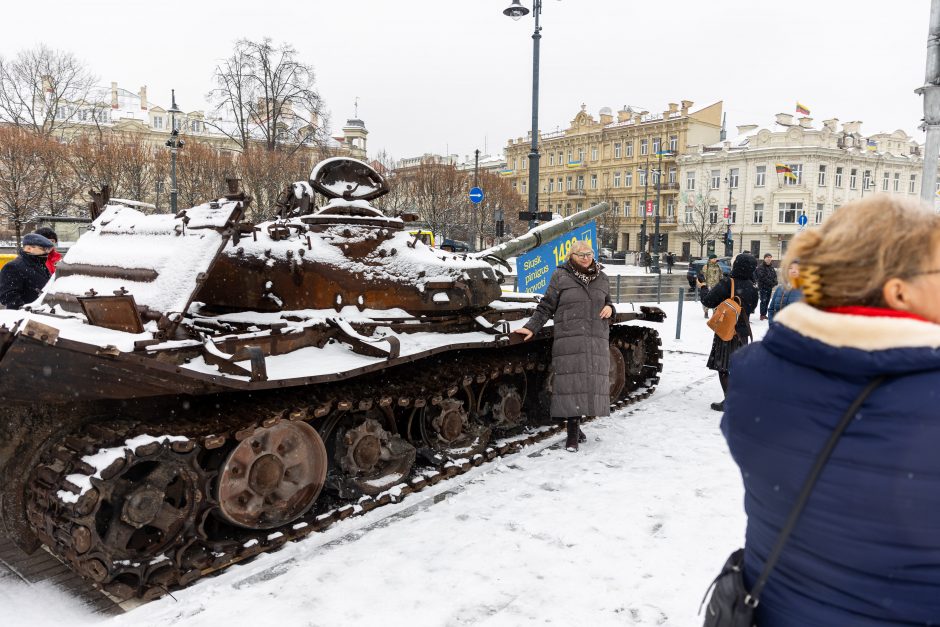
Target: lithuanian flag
{"x":801,"y":108}
{"x":785,"y":170}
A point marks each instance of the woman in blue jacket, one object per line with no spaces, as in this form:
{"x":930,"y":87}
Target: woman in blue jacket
{"x":787,"y":293}
{"x":866,"y":550}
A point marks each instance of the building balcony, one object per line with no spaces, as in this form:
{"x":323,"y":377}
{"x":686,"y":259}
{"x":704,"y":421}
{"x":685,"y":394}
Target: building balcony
{"x":670,"y":187}
{"x":576,"y":192}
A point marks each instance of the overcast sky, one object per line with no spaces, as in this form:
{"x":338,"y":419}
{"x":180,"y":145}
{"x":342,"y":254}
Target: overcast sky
{"x":454,"y":75}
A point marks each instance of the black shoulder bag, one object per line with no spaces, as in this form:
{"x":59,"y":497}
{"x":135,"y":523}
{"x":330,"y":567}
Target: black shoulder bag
{"x":731,"y":605}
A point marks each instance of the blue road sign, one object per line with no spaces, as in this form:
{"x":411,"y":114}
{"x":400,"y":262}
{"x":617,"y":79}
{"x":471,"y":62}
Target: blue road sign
{"x":476,"y":195}
{"x":535,"y":267}
{"x":802,"y":220}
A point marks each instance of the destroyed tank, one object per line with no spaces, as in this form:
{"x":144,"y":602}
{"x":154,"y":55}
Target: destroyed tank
{"x":193,"y":389}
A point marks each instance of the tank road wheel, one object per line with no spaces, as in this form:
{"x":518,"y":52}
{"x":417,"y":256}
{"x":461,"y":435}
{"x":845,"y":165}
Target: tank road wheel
{"x":273,"y":476}
{"x":503,"y":402}
{"x":371,"y":458}
{"x":446,"y":428}
{"x":617,"y":373}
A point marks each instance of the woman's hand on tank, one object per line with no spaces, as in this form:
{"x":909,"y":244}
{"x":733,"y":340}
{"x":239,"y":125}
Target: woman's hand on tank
{"x":607,"y":311}
{"x":524,"y":332}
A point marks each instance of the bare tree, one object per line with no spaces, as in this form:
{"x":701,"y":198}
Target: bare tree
{"x":437,"y":192}
{"x":23,"y":175}
{"x":498,"y":195}
{"x":269,"y":95}
{"x":44,"y":89}
{"x":201,"y":171}
{"x":704,"y":224}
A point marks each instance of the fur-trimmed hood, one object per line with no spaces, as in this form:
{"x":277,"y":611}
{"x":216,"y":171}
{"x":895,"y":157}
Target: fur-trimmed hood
{"x":851,"y":344}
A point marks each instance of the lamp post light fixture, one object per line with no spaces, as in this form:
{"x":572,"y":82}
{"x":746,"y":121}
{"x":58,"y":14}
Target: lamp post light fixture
{"x":517,"y":11}
{"x":174,"y":144}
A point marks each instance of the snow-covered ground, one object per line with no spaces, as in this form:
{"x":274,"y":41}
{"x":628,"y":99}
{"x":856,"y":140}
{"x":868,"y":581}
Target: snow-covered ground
{"x":629,"y":531}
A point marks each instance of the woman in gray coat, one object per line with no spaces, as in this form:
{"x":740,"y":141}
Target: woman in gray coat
{"x":578,"y":300}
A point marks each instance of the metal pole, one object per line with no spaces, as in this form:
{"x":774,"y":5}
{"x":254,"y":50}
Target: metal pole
{"x":534,"y":151}
{"x":931,"y":93}
{"x":646,"y":187}
{"x":659,"y":287}
{"x":679,"y":313}
{"x":474,"y":207}
{"x":618,"y":288}
{"x":659,"y":189}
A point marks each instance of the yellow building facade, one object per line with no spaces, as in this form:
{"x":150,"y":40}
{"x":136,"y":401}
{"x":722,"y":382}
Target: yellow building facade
{"x":627,"y":159}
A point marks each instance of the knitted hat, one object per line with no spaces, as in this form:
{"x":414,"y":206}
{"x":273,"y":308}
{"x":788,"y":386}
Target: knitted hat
{"x":744,"y":266}
{"x":35,"y":239}
{"x":713,"y":256}
{"x":48,"y":233}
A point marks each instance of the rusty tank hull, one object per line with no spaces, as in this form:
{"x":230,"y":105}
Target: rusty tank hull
{"x":194,"y":389}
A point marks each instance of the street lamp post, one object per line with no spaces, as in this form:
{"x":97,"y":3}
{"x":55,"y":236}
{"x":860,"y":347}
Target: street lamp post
{"x":659,"y":189}
{"x":729,"y":241}
{"x":174,"y":144}
{"x":516,"y":11}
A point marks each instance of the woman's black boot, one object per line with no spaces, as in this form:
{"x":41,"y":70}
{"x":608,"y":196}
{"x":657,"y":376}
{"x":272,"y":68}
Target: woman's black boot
{"x":571,"y":444}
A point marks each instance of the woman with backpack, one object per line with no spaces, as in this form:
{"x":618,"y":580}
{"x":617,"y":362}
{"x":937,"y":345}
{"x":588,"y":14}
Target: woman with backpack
{"x":738,"y":286}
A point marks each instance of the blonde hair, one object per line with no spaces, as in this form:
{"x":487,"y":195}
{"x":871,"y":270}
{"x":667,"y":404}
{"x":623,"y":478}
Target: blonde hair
{"x":580,"y":246}
{"x":852,"y":255}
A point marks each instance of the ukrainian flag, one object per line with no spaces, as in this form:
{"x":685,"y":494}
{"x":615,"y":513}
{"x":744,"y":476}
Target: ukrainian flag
{"x":574,"y":164}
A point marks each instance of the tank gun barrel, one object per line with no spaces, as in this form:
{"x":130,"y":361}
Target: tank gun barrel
{"x":541,"y":234}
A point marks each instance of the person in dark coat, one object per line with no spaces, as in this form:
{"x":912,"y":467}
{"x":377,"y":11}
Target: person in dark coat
{"x":52,"y":259}
{"x":865,"y":551}
{"x":670,"y":261}
{"x":22,"y":280}
{"x":741,"y":272}
{"x":766,"y":277}
{"x":578,"y":300}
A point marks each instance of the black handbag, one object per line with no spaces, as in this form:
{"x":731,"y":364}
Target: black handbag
{"x":731,"y":604}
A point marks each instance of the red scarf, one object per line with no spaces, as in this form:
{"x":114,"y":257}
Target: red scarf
{"x":883,"y":312}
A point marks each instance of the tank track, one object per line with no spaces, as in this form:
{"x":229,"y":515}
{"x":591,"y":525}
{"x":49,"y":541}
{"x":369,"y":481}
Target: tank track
{"x":154,"y":545}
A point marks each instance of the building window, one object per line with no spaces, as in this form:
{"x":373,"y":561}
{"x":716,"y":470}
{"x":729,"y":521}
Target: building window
{"x":897,"y":181}
{"x":628,"y":178}
{"x":912,"y":184}
{"x":819,"y":213}
{"x":690,"y":181}
{"x":551,"y":158}
{"x":671,"y":208}
{"x":513,"y":186}
{"x":580,"y":155}
{"x":626,"y":208}
{"x":617,"y":150}
{"x":839,"y":177}
{"x":715,"y":179}
{"x":630,"y":148}
{"x":523,"y":187}
{"x":797,"y":169}
{"x":579,"y":182}
{"x":758,"y":213}
{"x":674,"y":143}
{"x":761,"y":176}
{"x":713,"y":214}
{"x":642,"y":177}
{"x":569,"y":188}
{"x":656,"y":146}
{"x":789,"y":212}
{"x":867,"y":180}
{"x":644,"y":147}
{"x":616,"y":179}
{"x":821,"y":176}
{"x":593,"y":181}
{"x":853,"y":178}
{"x":158,"y":121}
{"x":561,"y":157}
{"x":593,"y":153}
{"x":733,"y":178}
{"x":672,"y":175}
{"x":524,"y":163}
{"x":884,"y":182}
{"x":689,"y":218}
{"x":615,"y":207}
{"x":733,"y":214}
{"x":551,"y":185}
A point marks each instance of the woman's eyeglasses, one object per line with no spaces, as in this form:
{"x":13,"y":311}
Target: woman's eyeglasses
{"x":583,"y":255}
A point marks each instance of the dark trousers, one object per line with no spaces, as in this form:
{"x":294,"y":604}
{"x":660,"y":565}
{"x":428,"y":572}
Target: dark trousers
{"x":764,"y":299}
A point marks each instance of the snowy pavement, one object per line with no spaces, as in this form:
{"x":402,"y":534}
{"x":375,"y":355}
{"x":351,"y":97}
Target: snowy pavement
{"x":629,"y":531}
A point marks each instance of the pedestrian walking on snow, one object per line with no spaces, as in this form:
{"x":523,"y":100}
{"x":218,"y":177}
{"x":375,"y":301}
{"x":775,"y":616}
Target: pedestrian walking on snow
{"x":22,"y":280}
{"x":786,"y":294}
{"x":578,"y":300}
{"x":670,"y":261}
{"x":865,"y":550}
{"x":720,"y":356}
{"x":766,"y":278}
{"x":712,"y":274}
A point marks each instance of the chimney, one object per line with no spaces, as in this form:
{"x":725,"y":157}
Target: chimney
{"x":784,"y":119}
{"x":745,"y":128}
{"x":114,"y":100}
{"x":806,"y":122}
{"x":686,"y":105}
{"x":831,"y":124}
{"x":624,"y":114}
{"x":852,"y":128}
{"x":673,"y":107}
{"x":143,"y":97}
{"x":606,"y":116}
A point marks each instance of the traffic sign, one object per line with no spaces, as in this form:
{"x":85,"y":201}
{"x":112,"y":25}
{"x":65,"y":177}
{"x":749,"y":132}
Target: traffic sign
{"x":476,"y":195}
{"x":727,"y":213}
{"x":802,"y":220}
{"x":649,"y":207}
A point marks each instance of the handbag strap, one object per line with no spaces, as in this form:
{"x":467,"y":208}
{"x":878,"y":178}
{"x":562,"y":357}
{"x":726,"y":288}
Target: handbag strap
{"x":753,"y":598}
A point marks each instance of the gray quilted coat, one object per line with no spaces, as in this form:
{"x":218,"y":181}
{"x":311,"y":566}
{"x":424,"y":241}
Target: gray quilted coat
{"x":580,"y":352}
